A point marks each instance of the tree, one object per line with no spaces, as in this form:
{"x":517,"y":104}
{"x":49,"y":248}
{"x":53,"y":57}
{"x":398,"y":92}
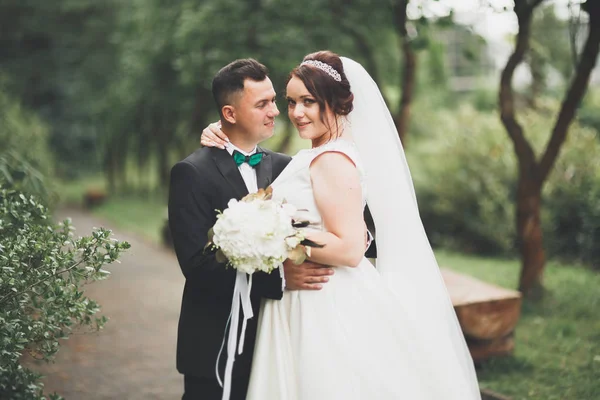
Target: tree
{"x":58,"y":61}
{"x":532,"y":172}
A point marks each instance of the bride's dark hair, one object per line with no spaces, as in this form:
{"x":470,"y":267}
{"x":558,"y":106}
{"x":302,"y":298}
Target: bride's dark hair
{"x":327,"y":91}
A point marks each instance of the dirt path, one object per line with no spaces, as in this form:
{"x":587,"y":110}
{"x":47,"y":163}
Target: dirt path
{"x":134,"y":356}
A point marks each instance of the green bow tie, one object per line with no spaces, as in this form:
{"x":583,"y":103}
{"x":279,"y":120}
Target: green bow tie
{"x":252,"y":160}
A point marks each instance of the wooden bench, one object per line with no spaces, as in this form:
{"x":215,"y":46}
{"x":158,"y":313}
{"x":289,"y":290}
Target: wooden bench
{"x":93,"y":198}
{"x":488,"y":314}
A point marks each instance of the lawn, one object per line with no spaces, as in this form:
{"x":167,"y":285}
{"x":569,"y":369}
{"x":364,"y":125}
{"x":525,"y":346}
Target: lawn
{"x":557,"y":352}
{"x":141,"y":213}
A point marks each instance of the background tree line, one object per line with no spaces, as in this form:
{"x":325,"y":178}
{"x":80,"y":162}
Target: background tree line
{"x":124,"y":88}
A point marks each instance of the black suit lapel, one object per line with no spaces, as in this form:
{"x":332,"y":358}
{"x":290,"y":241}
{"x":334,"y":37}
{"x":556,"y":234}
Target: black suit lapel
{"x":264,"y":171}
{"x":230,"y":171}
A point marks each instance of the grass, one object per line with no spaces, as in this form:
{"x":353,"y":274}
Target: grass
{"x":557,"y":354}
{"x":142,"y":214}
{"x":72,"y":192}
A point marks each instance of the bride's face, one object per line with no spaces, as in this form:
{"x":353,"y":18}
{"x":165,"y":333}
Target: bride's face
{"x":304,"y":112}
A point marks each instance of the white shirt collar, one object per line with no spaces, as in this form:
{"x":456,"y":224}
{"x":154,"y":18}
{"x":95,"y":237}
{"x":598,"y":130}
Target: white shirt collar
{"x":230,"y":147}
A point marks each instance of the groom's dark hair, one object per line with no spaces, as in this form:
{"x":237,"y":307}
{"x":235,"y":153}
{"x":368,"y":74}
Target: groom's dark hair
{"x":230,"y":79}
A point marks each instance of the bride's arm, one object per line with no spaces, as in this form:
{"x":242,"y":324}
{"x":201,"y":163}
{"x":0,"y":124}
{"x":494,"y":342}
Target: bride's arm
{"x":338,"y":196}
{"x":213,"y":136}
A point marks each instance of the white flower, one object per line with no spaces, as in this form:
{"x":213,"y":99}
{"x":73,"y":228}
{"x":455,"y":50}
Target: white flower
{"x":292,"y":241}
{"x":256,"y":235}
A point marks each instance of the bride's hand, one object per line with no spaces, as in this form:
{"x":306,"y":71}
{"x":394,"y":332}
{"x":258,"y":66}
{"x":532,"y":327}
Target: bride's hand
{"x":213,"y":136}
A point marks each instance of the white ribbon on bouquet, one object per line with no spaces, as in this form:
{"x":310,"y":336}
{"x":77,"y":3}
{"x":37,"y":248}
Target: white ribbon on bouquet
{"x":241,"y":297}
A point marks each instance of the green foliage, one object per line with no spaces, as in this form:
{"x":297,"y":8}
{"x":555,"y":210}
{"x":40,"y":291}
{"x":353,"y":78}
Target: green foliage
{"x":24,"y":150}
{"x":58,"y":58}
{"x":24,"y":133}
{"x":42,"y":271}
{"x":572,"y":200}
{"x":550,"y":43}
{"x":465,"y":176}
{"x":588,"y":112}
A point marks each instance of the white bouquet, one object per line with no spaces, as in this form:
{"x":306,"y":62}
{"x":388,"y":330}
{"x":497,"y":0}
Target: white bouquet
{"x":258,"y":233}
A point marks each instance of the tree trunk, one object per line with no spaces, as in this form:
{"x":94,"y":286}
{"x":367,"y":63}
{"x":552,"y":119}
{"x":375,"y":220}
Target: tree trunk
{"x":529,"y":232}
{"x":111,"y":168}
{"x":163,"y":162}
{"x":529,"y":236}
{"x":402,"y":119}
{"x":409,"y":68}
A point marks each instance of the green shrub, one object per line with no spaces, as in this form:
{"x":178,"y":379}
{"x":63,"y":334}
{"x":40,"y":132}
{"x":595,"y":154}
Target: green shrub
{"x":42,"y":266}
{"x":465,"y":177}
{"x":588,"y":112}
{"x":25,"y":159}
{"x":42,"y":271}
{"x":25,"y":134}
{"x":572,"y":200}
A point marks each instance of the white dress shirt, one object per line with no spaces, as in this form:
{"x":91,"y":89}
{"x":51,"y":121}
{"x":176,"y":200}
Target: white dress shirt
{"x":248,"y":172}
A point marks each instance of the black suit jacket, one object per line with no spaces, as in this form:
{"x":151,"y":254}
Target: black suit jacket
{"x":200,"y":184}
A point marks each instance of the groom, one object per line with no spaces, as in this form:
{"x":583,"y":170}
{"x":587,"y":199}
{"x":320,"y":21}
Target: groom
{"x":204,"y":182}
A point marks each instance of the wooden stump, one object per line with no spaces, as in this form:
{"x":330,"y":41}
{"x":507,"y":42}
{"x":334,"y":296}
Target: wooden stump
{"x":489,"y":395}
{"x":488,"y":314}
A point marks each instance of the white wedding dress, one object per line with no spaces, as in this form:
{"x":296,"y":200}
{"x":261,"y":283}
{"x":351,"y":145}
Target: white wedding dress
{"x":354,"y":339}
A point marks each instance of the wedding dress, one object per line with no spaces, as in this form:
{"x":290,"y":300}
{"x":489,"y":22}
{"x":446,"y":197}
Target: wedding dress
{"x":352,"y":340}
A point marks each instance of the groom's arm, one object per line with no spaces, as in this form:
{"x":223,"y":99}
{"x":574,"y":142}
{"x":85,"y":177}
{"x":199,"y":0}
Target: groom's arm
{"x":191,"y":215}
{"x":268,"y":285}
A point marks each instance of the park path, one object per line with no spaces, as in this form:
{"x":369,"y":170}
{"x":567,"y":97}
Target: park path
{"x":133,"y":357}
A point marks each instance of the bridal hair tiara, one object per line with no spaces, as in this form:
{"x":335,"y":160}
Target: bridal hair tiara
{"x":324,"y":67}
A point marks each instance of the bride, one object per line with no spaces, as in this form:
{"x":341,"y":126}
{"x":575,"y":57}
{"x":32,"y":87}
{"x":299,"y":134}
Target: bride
{"x":388,"y":332}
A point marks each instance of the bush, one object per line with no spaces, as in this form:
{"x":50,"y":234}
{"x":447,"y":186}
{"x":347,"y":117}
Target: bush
{"x":24,"y":151}
{"x":465,"y":176}
{"x":572,"y":200}
{"x":23,"y":133}
{"x":42,"y":267}
{"x":42,"y":271}
{"x":588,"y":112}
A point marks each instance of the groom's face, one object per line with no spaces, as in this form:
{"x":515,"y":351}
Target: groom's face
{"x":256,"y":109}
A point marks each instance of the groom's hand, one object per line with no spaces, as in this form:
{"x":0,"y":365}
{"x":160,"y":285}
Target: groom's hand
{"x":305,"y":276}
